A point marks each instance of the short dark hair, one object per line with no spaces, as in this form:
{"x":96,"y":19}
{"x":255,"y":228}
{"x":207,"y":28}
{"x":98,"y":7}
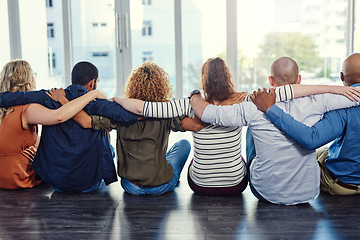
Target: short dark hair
{"x":83,"y":72}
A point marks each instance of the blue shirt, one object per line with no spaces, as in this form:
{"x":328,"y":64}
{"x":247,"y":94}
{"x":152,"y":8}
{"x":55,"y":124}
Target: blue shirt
{"x":342,"y":126}
{"x":283,"y":172}
{"x":70,"y":157}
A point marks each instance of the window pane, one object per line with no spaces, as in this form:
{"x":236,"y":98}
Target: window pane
{"x":55,"y":43}
{"x":35,"y":37}
{"x":4,"y":29}
{"x":152,"y":34}
{"x":204,"y":36}
{"x":93,"y":33}
{"x":357,"y":28}
{"x":309,"y":31}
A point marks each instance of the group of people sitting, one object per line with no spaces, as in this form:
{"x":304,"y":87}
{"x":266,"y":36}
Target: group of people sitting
{"x":74,"y":154}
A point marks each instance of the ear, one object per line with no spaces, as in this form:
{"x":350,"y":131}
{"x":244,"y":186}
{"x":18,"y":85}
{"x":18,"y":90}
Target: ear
{"x":342,"y":77}
{"x":90,"y":85}
{"x":298,"y":81}
{"x":271,"y":80}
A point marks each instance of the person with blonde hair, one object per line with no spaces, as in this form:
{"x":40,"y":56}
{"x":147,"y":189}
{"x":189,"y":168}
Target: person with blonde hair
{"x":18,"y":125}
{"x":143,"y":163}
{"x":70,"y":158}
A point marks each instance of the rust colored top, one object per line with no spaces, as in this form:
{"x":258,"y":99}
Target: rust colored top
{"x":17,"y":151}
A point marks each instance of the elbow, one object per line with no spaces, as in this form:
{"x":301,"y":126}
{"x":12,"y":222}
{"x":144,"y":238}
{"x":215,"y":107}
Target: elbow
{"x":198,"y":127}
{"x":60,"y":118}
{"x":309,"y":145}
{"x":138,"y":111}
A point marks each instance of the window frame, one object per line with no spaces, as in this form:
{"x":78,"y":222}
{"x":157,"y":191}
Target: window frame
{"x":123,"y":38}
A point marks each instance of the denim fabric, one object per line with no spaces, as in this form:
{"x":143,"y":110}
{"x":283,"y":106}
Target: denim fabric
{"x":340,"y":126}
{"x":96,"y":187}
{"x":281,"y":164}
{"x":250,"y":145}
{"x":70,"y":157}
{"x":176,"y":156}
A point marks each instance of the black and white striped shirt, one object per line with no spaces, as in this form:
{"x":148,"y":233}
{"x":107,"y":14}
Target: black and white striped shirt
{"x":217,"y":149}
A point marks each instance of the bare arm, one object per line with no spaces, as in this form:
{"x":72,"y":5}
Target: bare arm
{"x":37,"y":114}
{"x":198,"y":105}
{"x":132,"y":105}
{"x":301,"y":90}
{"x":192,"y":124}
{"x":82,"y":118}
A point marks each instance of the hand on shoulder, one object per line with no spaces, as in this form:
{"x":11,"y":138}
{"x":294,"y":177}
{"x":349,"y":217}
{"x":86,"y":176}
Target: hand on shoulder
{"x":235,"y":98}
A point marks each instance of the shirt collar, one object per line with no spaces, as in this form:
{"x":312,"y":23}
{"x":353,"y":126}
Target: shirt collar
{"x":76,"y":87}
{"x":356,"y":85}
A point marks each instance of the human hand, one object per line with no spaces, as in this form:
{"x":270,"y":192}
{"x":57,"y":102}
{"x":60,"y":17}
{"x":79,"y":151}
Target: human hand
{"x":235,"y":98}
{"x":118,"y":100}
{"x":98,"y":94}
{"x":194,"y":92}
{"x":30,"y":151}
{"x":263,"y":99}
{"x":351,"y":93}
{"x":56,"y":94}
{"x":196,"y":96}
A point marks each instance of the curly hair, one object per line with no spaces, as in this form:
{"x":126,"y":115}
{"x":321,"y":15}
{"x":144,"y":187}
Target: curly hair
{"x":149,"y":83}
{"x":16,"y":75}
{"x":216,"y":80}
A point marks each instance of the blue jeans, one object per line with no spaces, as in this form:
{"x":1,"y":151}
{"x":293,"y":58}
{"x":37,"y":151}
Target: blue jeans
{"x":96,"y":187}
{"x":176,"y":156}
{"x":250,"y":145}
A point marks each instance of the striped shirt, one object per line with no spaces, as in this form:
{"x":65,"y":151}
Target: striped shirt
{"x":217,"y":149}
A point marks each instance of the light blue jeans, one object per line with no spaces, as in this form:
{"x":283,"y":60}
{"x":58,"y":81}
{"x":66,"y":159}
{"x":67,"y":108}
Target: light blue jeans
{"x":176,"y":156}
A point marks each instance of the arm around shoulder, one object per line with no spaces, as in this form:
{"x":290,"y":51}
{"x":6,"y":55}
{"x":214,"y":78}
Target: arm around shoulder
{"x":324,"y":131}
{"x":198,"y":105}
{"x":37,"y":114}
{"x":132,"y":105}
{"x":192,"y":124}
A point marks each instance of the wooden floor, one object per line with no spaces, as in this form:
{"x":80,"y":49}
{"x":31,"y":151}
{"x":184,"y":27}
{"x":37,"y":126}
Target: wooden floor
{"x":41,"y":213}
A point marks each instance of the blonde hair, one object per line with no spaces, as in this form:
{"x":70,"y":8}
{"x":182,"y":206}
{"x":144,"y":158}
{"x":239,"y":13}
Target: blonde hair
{"x":149,"y":83}
{"x":16,"y":75}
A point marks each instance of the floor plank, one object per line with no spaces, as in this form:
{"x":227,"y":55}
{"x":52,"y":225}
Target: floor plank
{"x":41,"y":213}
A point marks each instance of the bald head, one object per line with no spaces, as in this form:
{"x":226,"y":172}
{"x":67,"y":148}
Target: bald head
{"x":284,"y":70}
{"x":350,"y":73}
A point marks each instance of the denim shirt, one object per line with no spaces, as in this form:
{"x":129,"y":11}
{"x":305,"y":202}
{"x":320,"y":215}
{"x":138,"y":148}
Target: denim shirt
{"x":342,"y":126}
{"x":283,"y":172}
{"x":70,"y":157}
